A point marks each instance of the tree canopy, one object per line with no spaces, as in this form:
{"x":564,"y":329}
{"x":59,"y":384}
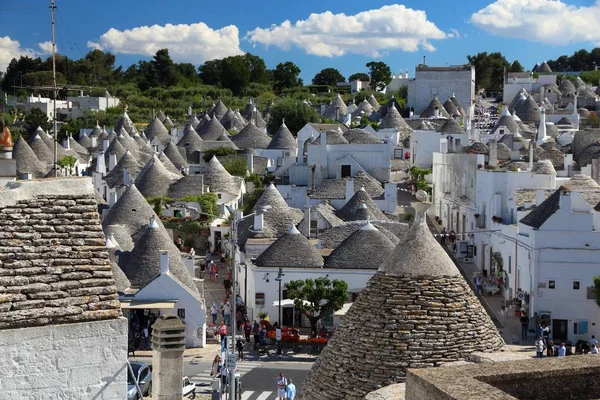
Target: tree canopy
{"x":35,"y":118}
{"x":285,"y":76}
{"x":489,"y":70}
{"x":296,"y":114}
{"x":580,"y":60}
{"x":381,"y":74}
{"x":359,"y":76}
{"x":318,"y":297}
{"x":328,"y":76}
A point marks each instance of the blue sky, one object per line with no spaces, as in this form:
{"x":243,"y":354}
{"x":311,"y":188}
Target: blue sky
{"x":344,"y":35}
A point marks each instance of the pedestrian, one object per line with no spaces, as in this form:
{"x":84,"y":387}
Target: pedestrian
{"x":208,"y":257}
{"x":524,"y":326}
{"x":223,"y":333}
{"x":214,"y":312}
{"x":479,"y":286}
{"x":593,"y":342}
{"x":262,"y":336}
{"x":137,"y":338}
{"x":452,"y":237}
{"x":545,"y":332}
{"x":227,"y":284}
{"x":290,"y":389}
{"x":539,"y":347}
{"x":239,"y":345}
{"x":131,"y":344}
{"x":281,"y":387}
{"x":216,"y":366}
{"x":227,"y":312}
{"x":443,"y":233}
{"x":255,"y":332}
{"x":192,"y":253}
{"x":562,"y":350}
{"x":179,"y":244}
{"x":550,"y":348}
{"x":215,"y":269}
{"x":146,"y":338}
{"x":202,"y":271}
{"x":537,"y":319}
{"x":211,"y":272}
{"x":594,"y":349}
{"x":247,"y":330}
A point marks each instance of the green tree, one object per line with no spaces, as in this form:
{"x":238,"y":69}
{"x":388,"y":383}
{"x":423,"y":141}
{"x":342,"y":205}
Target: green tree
{"x":257,"y":68}
{"x":208,"y":204}
{"x":210,"y":72}
{"x":516,"y":67}
{"x":218,"y":151}
{"x":359,"y":76}
{"x":72,"y":126}
{"x":68,"y":163}
{"x":236,"y":166}
{"x":318,"y":297}
{"x":381,"y":74}
{"x":235,"y":74}
{"x":35,"y":118}
{"x":186,"y":74}
{"x":296,"y":114}
{"x":165,"y":68}
{"x":17,"y":68}
{"x":489,"y":70}
{"x":285,"y":76}
{"x":328,"y":76}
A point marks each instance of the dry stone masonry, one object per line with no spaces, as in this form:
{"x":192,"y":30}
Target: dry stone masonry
{"x":417,"y":311}
{"x":54,"y":266}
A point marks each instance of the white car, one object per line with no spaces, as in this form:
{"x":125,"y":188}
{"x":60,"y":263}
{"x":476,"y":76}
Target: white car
{"x":189,"y":389}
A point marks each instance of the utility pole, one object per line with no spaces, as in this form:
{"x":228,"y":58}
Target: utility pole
{"x":52,"y":8}
{"x":230,"y":369}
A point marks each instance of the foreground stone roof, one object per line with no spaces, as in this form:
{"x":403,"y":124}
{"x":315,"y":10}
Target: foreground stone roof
{"x":54,"y":267}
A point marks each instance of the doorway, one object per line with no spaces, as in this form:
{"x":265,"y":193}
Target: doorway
{"x":346,"y":171}
{"x":483,"y":253}
{"x":560,"y":330}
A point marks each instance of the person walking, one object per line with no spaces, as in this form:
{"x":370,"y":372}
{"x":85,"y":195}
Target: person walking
{"x":562,"y":350}
{"x":145,"y":334}
{"x":593,"y":349}
{"x":223,"y":333}
{"x":539,"y":347}
{"x":443,"y":239}
{"x":247,"y":330}
{"x":214,"y":312}
{"x":239,"y":345}
{"x":202,"y":271}
{"x":524,"y":326}
{"x":479,"y":286}
{"x":593,"y":342}
{"x":227,"y":312}
{"x":255,"y":332}
{"x":281,"y":387}
{"x":549,"y":348}
{"x":290,"y":389}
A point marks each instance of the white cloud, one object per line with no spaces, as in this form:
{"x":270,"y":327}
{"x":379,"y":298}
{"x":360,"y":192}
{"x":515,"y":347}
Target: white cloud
{"x":46,"y":47}
{"x":371,"y":32}
{"x":548,"y":21}
{"x":10,"y":49}
{"x":195,"y":43}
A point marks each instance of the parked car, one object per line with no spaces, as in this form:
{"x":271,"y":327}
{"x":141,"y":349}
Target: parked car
{"x":143,"y":376}
{"x":189,"y":388}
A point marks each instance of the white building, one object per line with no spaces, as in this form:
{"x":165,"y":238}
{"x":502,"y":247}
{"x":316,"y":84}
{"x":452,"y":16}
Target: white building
{"x":73,"y":107}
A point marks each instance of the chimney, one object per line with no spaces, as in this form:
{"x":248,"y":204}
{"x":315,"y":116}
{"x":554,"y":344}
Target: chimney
{"x":168,"y":344}
{"x":542,"y":128}
{"x":112,"y":161}
{"x":450,"y":147}
{"x":324,"y":150}
{"x":105,"y":144}
{"x":250,"y":163}
{"x":565,"y":201}
{"x":94,"y":140}
{"x":164,"y":262}
{"x":437,"y":112}
{"x":337,"y":113}
{"x":493,"y":156}
{"x":349,"y":189}
{"x":68,"y":143}
{"x":112,"y":199}
{"x":307,"y":221}
{"x":259,"y":221}
{"x":126,"y":177}
{"x":100,"y":164}
{"x":531,"y":146}
{"x":539,"y":197}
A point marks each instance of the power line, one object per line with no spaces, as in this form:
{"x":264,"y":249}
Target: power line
{"x":72,"y":37}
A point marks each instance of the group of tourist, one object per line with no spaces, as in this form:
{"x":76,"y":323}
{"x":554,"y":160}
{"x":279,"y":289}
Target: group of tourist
{"x":139,"y":334}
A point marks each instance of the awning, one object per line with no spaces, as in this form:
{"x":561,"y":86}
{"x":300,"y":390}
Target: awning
{"x":287,"y":303}
{"x":148,"y":304}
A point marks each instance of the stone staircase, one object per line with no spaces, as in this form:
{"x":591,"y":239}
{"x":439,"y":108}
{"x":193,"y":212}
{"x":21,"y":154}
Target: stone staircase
{"x":213,"y":292}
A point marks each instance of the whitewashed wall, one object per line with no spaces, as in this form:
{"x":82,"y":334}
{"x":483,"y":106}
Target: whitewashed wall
{"x":85,"y":360}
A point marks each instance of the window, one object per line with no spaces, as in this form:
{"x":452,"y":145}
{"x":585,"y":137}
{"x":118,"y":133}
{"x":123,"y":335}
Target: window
{"x":219,"y":196}
{"x":575,"y":285}
{"x":510,"y":264}
{"x":346,"y":171}
{"x":551,"y":284}
{"x":181,"y":313}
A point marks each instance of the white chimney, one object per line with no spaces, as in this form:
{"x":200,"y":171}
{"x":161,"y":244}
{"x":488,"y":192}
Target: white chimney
{"x":539,"y":197}
{"x":94,"y":140}
{"x":105,"y":144}
{"x":324,"y":149}
{"x":126,"y":177}
{"x":101,"y":164}
{"x":164,"y":262}
{"x":349,"y":189}
{"x":542,"y":138}
{"x":493,"y":156}
{"x":112,"y":161}
{"x":112,"y":199}
{"x":259,"y":221}
{"x":250,"y":163}
{"x":565,"y":201}
{"x":307,"y":221}
{"x":531,"y":146}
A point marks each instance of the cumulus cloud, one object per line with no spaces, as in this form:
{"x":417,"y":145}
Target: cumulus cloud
{"x":46,"y":47}
{"x":10,"y":49}
{"x":195,"y":43}
{"x":548,"y":21}
{"x":372,"y":32}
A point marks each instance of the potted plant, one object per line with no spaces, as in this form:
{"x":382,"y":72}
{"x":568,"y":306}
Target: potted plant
{"x":476,"y":215}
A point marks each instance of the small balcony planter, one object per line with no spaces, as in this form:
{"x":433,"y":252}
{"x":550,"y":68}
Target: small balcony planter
{"x":476,"y":215}
{"x":497,"y":219}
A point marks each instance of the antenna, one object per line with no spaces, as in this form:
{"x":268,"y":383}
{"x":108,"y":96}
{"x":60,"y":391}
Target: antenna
{"x":52,"y":8}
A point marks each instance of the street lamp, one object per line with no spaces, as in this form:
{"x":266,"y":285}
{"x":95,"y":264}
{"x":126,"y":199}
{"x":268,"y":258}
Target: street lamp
{"x":279,"y":278}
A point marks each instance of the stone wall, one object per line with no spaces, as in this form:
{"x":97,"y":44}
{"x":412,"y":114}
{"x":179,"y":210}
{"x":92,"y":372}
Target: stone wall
{"x":76,"y":361}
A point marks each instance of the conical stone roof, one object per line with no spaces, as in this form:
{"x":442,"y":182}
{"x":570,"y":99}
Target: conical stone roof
{"x":364,"y":107}
{"x":124,"y":122}
{"x":452,"y":127}
{"x":168,"y":123}
{"x":544,"y":68}
{"x":361,"y":198}
{"x":283,"y":139}
{"x":360,"y":136}
{"x":131,"y":210}
{"x":292,"y":250}
{"x":211,"y":130}
{"x":528,"y":110}
{"x":373,"y":102}
{"x":175,"y":156}
{"x":161,"y":116}
{"x":158,"y":130}
{"x":203,"y":121}
{"x":519,"y":97}
{"x":393,"y":119}
{"x":219,"y":110}
{"x":417,"y":311}
{"x":337,"y":107}
{"x":333,"y":137}
{"x":567,"y":88}
{"x":366,"y":248}
{"x":155,"y":180}
{"x":218,"y":179}
{"x":251,"y":137}
{"x":451,"y":107}
{"x":115,"y":177}
{"x":27,"y":161}
{"x":459,"y":106}
{"x":429,"y":111}
{"x":506,"y":120}
{"x":41,"y":150}
{"x":168,"y":164}
{"x":117,"y":148}
{"x":85,"y":141}
{"x":190,"y":141}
